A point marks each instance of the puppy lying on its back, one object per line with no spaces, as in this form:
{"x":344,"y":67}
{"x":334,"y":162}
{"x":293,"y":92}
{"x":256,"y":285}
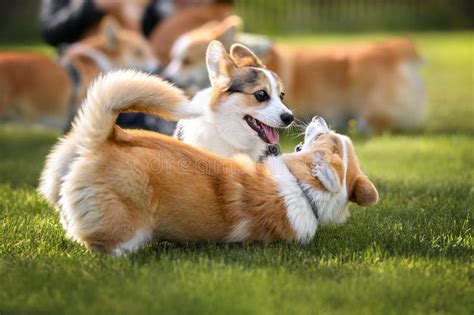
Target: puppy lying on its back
{"x":117,"y":190}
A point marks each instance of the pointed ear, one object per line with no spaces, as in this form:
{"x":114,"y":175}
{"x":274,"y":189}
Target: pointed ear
{"x":244,"y":57}
{"x":329,"y":170}
{"x":364,"y":194}
{"x":219,"y":65}
{"x":260,"y":45}
{"x":228,"y":29}
{"x":110,"y":28}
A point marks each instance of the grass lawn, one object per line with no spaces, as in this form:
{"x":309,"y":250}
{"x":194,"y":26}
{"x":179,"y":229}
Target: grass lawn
{"x":411,"y":254}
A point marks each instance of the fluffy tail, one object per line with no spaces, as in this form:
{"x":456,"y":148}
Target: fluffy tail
{"x":126,"y":91}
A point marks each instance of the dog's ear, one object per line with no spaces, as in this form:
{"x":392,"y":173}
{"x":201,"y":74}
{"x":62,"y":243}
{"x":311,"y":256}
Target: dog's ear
{"x":227,"y":30}
{"x":364,"y":193}
{"x":329,"y":170}
{"x":260,"y":45}
{"x":219,"y":65}
{"x":110,"y":28}
{"x":244,"y":57}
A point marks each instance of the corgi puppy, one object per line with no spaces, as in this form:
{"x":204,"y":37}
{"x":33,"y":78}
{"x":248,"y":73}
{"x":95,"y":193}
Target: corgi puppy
{"x":378,"y":83}
{"x":241,"y":110}
{"x":34,"y":88}
{"x":117,"y":190}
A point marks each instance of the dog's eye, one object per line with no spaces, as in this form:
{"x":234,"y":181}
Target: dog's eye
{"x":282,"y":95}
{"x":299,"y":147}
{"x":261,"y":96}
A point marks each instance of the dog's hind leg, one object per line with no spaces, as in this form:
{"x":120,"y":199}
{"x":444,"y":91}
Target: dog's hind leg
{"x":141,"y":237}
{"x":107,"y":226}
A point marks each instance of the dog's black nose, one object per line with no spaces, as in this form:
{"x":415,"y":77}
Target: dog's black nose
{"x":287,"y":118}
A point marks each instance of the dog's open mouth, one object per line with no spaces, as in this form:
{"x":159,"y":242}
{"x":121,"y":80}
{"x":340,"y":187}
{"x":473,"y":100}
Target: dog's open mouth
{"x":266,"y":133}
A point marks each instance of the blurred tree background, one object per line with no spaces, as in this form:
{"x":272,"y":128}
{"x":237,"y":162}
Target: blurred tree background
{"x":313,"y":16}
{"x":19,"y":19}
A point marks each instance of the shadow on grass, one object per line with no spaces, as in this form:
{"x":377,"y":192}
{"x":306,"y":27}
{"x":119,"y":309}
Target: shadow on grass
{"x":428,"y":222}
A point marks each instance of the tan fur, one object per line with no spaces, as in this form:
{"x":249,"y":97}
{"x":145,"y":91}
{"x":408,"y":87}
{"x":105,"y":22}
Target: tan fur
{"x":119,"y":184}
{"x":166,"y":33}
{"x":364,"y":80}
{"x":245,"y":58}
{"x":329,"y":145}
{"x":33,"y":86}
{"x":129,"y":13}
{"x":177,"y":215}
{"x":331,"y":148}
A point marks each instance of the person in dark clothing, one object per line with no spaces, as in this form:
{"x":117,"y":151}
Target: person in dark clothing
{"x":158,"y":10}
{"x":65,"y":22}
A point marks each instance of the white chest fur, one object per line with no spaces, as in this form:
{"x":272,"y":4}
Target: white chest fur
{"x":299,"y":211}
{"x":223,"y":131}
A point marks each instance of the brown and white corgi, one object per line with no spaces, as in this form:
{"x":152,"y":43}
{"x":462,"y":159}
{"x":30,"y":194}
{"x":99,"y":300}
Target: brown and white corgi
{"x":242,"y":109}
{"x":117,"y":190}
{"x":34,"y":88}
{"x":377,"y":83}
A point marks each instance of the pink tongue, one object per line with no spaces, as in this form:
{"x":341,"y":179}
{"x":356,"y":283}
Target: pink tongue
{"x":271,"y":133}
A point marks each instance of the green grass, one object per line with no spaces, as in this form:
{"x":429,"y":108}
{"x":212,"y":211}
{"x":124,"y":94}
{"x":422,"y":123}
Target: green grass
{"x":410,"y":254}
{"x":37,"y":48}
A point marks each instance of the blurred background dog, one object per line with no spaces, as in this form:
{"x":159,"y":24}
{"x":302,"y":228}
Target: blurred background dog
{"x":376,"y":86}
{"x":376,"y":83}
{"x":75,"y":28}
{"x":35,"y":88}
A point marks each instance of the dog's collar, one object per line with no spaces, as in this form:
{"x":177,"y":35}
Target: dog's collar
{"x":270,"y":150}
{"x":312,"y":203}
